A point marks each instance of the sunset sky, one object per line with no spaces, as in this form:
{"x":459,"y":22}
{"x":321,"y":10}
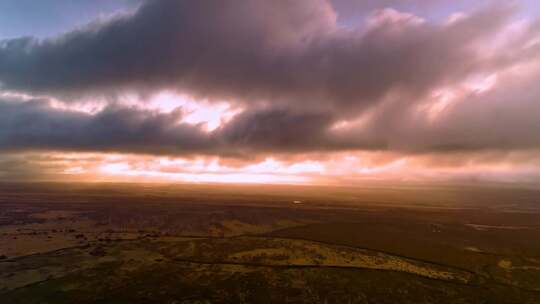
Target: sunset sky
{"x":281,"y":91}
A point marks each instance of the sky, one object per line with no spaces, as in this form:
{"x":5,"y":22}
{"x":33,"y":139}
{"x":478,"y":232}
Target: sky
{"x":256,"y":91}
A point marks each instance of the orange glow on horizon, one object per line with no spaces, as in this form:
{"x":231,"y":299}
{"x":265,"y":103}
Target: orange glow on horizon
{"x":313,"y":169}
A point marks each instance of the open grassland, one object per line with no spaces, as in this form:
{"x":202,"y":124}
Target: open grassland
{"x":110,"y":243}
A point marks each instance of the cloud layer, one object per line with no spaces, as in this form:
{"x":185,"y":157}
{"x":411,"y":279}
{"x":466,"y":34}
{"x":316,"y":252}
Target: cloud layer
{"x":305,"y":83}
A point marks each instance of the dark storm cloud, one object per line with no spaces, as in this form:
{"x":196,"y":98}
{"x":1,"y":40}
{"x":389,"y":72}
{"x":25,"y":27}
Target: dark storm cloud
{"x":277,"y":129}
{"x":293,"y":70}
{"x":288,"y":52}
{"x":35,"y":125}
{"x":195,"y":45}
{"x":504,"y":118}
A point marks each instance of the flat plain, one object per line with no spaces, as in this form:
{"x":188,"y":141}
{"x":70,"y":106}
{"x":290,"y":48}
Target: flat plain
{"x":156,"y":243}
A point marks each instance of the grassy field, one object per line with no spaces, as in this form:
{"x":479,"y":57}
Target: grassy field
{"x":127,"y":243}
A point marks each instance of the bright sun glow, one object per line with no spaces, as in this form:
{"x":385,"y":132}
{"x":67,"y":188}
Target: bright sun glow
{"x":201,"y":171}
{"x":212,"y":115}
{"x":309,"y":169}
